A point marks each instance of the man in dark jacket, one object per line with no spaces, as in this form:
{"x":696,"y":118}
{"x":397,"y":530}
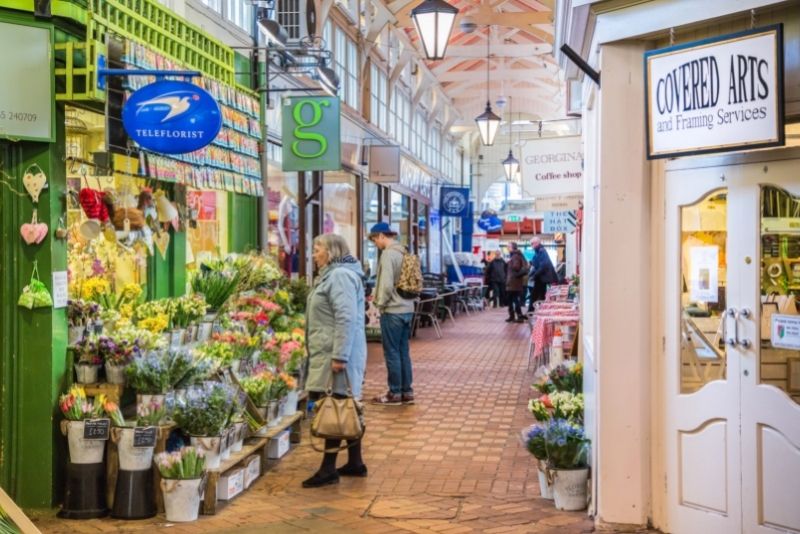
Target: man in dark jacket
{"x":542,"y":272}
{"x":496,"y":279}
{"x":515,"y":281}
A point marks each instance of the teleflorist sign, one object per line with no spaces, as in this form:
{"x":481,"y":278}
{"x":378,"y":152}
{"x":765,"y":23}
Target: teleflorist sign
{"x":311,"y":134}
{"x":716,"y":95}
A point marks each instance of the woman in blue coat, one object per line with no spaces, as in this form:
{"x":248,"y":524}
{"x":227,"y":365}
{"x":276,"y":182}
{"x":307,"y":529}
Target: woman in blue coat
{"x":337,"y":343}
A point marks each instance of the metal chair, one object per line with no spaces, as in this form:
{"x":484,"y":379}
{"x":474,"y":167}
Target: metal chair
{"x":428,"y":308}
{"x":448,"y":303}
{"x":462,"y":299}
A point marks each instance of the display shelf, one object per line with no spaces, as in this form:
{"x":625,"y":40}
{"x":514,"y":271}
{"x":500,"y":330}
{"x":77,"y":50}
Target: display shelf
{"x":112,"y":391}
{"x":254,"y":445}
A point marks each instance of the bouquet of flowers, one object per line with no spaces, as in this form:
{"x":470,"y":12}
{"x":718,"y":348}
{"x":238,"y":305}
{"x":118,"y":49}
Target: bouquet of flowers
{"x":242,"y":344}
{"x":219,"y":352}
{"x":283,"y":384}
{"x":540,"y":408}
{"x":185,"y":370}
{"x":299,"y":290}
{"x":114,"y":413}
{"x":75,"y":406}
{"x":258,"y":387}
{"x":117,"y":350}
{"x":567,"y":377}
{"x":567,"y":406}
{"x":187,"y":310}
{"x":142,"y":338}
{"x":88,"y":351}
{"x":567,"y":445}
{"x":186,"y":463}
{"x":255,"y":271}
{"x":150,"y":414}
{"x":205,"y":409}
{"x":533,"y":438}
{"x":94,"y":288}
{"x":149,"y":374}
{"x":81,"y":312}
{"x":216,"y":283}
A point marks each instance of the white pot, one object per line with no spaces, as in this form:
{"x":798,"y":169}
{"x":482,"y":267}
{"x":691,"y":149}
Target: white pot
{"x":238,"y":437}
{"x":176,"y":338}
{"x":290,"y":406}
{"x":211,"y":446}
{"x":273,"y":416}
{"x":75,"y":334}
{"x":225,"y":445}
{"x":83,"y":451}
{"x":181,"y":498}
{"x":544,"y":486}
{"x":86,"y":373}
{"x":235,"y":364}
{"x":204,"y":331}
{"x":569,"y":488}
{"x":144,"y":399}
{"x":131,"y":458}
{"x":191,"y":333}
{"x":115,"y":374}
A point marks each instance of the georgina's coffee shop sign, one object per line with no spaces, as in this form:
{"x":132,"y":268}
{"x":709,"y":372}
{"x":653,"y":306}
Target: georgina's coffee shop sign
{"x":716,"y":95}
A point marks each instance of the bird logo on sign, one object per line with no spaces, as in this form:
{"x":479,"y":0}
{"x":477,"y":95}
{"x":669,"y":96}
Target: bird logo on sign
{"x":173,"y":103}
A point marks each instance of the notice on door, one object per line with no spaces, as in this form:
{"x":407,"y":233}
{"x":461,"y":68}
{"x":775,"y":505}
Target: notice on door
{"x":785,"y":332}
{"x":704,"y":274}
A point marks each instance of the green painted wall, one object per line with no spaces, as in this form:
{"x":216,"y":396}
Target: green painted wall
{"x":242,"y":222}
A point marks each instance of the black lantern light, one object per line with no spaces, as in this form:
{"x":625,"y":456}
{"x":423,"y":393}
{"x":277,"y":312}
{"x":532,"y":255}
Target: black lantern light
{"x":434,"y":20}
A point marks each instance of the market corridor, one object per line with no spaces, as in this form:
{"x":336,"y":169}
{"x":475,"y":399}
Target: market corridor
{"x":451,"y":463}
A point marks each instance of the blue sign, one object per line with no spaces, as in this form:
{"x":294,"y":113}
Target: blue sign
{"x":172,"y":117}
{"x":454,"y":201}
{"x":490,"y":222}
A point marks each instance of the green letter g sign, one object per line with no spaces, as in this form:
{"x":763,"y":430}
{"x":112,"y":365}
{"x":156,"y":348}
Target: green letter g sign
{"x":301,"y":135}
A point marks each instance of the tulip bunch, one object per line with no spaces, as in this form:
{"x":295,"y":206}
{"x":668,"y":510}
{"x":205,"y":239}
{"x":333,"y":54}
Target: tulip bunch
{"x":186,"y":463}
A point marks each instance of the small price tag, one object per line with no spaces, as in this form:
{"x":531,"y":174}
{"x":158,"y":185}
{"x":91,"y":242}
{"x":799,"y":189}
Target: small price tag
{"x":97,"y":429}
{"x":144,"y":437}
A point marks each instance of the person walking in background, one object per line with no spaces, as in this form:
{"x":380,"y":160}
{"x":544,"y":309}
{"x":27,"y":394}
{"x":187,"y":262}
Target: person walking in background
{"x":515,"y":281}
{"x":542,"y":272}
{"x":496,"y":279}
{"x":337,"y":344}
{"x":397,"y":314}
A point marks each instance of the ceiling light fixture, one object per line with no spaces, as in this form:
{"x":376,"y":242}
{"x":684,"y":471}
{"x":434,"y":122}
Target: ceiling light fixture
{"x":328,"y":79}
{"x":434,"y":20}
{"x":273,"y":32}
{"x":487,"y":122}
{"x":510,"y":164}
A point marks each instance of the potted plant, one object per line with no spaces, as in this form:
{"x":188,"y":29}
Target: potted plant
{"x":80,"y":314}
{"x":216,"y":283}
{"x":187,"y":311}
{"x":77,"y":409}
{"x":567,"y":376}
{"x":133,"y":458}
{"x":149,"y":375}
{"x":182,"y":482}
{"x":567,"y":451}
{"x":88,"y":362}
{"x":258,"y":388}
{"x":203,"y":413}
{"x":533,"y":438}
{"x":288,"y":403}
{"x":117,"y":351}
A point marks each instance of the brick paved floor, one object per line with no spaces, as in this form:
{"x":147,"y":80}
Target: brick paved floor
{"x":452,"y":463}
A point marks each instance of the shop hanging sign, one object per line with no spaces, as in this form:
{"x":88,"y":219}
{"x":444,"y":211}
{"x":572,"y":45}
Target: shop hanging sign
{"x":454,"y":201}
{"x":172,"y":117}
{"x":716,"y":95}
{"x":552,"y":167}
{"x":27,"y":96}
{"x":311,"y":133}
{"x":560,"y":222}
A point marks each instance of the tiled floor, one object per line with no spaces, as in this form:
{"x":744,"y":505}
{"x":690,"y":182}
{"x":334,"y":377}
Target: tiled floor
{"x":452,"y":463}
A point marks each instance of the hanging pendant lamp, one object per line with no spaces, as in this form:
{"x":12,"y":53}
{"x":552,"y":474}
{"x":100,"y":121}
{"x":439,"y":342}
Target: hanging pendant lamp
{"x":434,"y":20}
{"x":510,"y":164}
{"x":487,"y":122}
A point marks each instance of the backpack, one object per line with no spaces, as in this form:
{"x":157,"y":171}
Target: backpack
{"x":409,"y":284}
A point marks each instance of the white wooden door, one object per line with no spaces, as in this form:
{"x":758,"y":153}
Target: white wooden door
{"x":701,"y":438}
{"x":732,"y":412}
{"x":768,"y":197}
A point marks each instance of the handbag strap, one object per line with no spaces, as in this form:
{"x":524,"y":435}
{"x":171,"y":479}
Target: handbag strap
{"x":35,"y":271}
{"x":329,"y":389}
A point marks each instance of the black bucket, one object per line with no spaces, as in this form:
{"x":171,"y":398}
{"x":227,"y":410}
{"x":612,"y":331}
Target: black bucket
{"x":85,"y":497}
{"x":134,"y":495}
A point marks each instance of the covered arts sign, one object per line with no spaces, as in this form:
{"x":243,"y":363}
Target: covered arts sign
{"x":716,"y":95}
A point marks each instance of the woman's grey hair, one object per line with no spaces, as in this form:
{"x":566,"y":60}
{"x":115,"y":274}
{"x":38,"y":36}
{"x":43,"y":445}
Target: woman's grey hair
{"x":335,"y":245}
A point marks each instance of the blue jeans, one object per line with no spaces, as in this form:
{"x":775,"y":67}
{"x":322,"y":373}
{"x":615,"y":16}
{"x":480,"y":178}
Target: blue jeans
{"x":395,"y":331}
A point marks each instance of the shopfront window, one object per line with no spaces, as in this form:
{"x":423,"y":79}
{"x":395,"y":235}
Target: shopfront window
{"x":283,"y":219}
{"x":704,"y":234}
{"x":371,"y":216}
{"x":207,"y":225}
{"x":341,"y":207}
{"x":400,"y":214}
{"x":422,"y":228}
{"x":780,"y":290}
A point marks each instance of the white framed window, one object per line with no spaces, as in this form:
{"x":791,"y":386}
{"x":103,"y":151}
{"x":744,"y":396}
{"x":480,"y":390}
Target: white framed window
{"x":240,"y":13}
{"x":290,"y":16}
{"x":378,"y":104}
{"x":345,"y":63}
{"x":216,"y":5}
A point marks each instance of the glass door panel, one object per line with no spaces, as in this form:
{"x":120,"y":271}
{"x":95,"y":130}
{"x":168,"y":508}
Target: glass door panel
{"x":703,"y":282}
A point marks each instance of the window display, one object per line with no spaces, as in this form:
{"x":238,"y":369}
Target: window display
{"x":341,"y":207}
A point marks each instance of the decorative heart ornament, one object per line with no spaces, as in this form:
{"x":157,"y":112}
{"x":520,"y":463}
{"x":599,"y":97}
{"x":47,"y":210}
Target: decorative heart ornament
{"x":162,"y":242}
{"x":34,"y":183}
{"x":33,"y":233}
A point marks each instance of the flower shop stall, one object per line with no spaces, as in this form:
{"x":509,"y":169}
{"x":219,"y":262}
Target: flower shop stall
{"x":211,"y":378}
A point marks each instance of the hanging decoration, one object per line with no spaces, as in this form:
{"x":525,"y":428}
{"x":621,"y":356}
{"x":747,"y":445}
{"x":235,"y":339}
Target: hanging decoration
{"x":35,"y":294}
{"x":34,"y":182}
{"x":34,"y":232}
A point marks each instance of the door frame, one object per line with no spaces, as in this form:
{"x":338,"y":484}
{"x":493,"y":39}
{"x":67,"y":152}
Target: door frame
{"x":659,"y":463}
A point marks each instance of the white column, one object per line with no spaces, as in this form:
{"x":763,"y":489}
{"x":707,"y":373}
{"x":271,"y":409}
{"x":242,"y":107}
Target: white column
{"x":622,"y":340}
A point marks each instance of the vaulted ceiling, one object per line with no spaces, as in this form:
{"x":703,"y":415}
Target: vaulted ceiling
{"x":521,"y":64}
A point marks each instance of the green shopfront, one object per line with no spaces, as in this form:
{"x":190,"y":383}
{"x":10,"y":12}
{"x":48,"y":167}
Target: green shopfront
{"x":52,"y":58}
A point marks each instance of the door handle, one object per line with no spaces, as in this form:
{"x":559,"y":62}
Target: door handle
{"x":732,"y":341}
{"x":744,"y":313}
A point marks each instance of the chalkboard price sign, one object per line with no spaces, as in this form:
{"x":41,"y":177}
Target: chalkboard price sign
{"x":144,"y":437}
{"x":97,"y":429}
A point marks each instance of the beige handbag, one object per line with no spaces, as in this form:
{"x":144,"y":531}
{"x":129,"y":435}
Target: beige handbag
{"x":337,"y":418}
